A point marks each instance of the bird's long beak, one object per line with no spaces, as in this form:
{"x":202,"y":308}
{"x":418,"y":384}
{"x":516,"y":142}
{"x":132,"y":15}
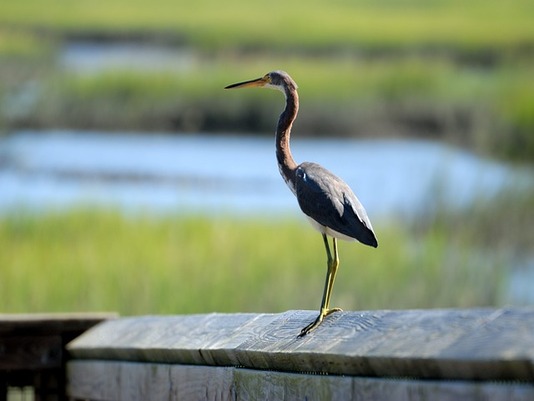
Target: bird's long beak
{"x":259,"y":82}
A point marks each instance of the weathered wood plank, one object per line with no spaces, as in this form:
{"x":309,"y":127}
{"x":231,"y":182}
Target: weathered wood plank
{"x":257,"y":385}
{"x":201,"y":383}
{"x":94,"y":380}
{"x":87,"y":380}
{"x":481,"y":344}
{"x":138,"y":382}
{"x":109,"y":380}
{"x":49,"y":323}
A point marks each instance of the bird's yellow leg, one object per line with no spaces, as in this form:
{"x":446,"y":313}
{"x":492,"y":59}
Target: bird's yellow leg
{"x":332,"y":266}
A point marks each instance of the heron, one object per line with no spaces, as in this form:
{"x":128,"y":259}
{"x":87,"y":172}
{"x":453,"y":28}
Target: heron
{"x":328,"y":202}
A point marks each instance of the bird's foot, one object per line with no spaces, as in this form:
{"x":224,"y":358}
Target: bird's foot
{"x":313,"y":325}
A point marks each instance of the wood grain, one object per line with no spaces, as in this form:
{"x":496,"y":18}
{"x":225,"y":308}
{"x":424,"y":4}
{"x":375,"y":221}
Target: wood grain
{"x":472,"y":344}
{"x":132,"y":381}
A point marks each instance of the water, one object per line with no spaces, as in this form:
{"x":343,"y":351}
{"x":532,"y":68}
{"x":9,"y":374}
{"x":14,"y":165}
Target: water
{"x":231,"y":174}
{"x":520,"y":281}
{"x":95,"y":57}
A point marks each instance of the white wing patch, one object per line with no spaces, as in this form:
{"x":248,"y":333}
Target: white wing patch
{"x":328,"y":231}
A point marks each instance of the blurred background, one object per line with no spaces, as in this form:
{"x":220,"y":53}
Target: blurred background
{"x":131,"y":181}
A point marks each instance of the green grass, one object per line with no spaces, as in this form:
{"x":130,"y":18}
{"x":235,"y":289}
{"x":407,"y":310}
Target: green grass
{"x":90,"y":260}
{"x":20,"y":44}
{"x":316,"y":24}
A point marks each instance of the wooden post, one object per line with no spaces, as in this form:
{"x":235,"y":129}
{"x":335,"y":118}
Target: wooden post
{"x":439,"y":354}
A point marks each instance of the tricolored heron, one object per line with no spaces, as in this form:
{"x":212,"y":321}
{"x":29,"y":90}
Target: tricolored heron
{"x":325,"y":199}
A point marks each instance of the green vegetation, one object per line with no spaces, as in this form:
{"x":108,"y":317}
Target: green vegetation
{"x":489,"y":112}
{"x":449,"y":69}
{"x":453,"y":70}
{"x":100,"y":260}
{"x":476,"y":25}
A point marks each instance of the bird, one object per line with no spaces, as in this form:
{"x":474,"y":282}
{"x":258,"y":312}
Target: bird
{"x":328,"y":202}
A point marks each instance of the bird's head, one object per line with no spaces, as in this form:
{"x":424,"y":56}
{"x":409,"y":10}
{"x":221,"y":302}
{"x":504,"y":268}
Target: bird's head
{"x":275,"y":80}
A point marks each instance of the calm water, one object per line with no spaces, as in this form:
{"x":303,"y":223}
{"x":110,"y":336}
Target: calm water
{"x":94,"y":57}
{"x":231,"y":174}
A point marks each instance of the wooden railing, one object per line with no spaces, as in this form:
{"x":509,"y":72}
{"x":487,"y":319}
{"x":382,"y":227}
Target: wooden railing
{"x":480,"y":354}
{"x":32,"y":352}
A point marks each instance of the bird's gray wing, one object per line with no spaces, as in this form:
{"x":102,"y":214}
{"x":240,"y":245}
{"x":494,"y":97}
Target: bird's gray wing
{"x":328,"y":200}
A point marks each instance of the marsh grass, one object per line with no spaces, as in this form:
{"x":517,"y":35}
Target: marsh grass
{"x":489,"y":112}
{"x":453,"y":70}
{"x":83,"y":260}
{"x":476,"y":25}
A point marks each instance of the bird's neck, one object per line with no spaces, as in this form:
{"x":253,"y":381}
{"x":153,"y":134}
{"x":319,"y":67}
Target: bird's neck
{"x":286,"y":163}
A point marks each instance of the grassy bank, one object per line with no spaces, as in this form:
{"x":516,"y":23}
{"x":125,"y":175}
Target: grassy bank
{"x":491,"y":113}
{"x":97,"y":260}
{"x":476,"y":26}
{"x":443,"y":69}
